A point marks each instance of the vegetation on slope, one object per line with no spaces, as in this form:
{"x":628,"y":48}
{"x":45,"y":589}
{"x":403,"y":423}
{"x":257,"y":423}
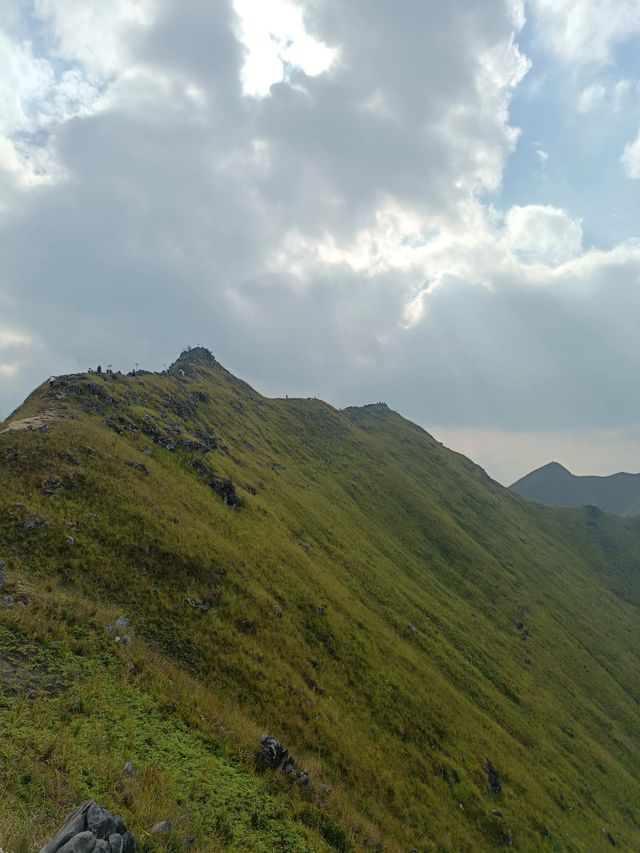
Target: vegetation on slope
{"x":455,"y":667}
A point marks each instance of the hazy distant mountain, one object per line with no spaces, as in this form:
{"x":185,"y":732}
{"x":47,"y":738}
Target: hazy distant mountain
{"x":553,"y":485}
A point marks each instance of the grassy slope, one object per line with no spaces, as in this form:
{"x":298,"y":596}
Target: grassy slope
{"x":524,"y":655}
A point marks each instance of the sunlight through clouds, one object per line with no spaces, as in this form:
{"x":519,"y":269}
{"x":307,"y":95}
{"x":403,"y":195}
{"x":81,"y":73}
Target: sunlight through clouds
{"x":274,"y":36}
{"x":386,"y":203}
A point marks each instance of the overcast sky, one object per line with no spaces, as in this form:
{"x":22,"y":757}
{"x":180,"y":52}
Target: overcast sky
{"x":432,"y":204}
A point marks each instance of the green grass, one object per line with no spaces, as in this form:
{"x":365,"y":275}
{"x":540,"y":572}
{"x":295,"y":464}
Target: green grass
{"x":354,"y":525}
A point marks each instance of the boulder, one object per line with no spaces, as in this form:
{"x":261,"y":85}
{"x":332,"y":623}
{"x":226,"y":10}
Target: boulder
{"x":162,"y":826}
{"x":89,"y":829}
{"x":129,"y":770}
{"x":273,"y":753}
{"x":275,"y":756}
{"x":302,"y":779}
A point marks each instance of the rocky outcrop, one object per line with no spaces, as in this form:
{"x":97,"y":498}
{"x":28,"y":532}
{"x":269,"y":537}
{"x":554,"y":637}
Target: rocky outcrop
{"x":189,"y":361}
{"x":224,"y":488}
{"x":274,"y":756}
{"x":91,"y":829}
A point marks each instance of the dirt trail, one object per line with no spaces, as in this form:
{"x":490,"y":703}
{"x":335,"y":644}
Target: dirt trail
{"x":41,"y":420}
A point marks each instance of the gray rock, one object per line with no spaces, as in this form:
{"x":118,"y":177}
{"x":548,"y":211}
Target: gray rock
{"x":128,"y":843}
{"x":70,"y":540}
{"x":92,"y":829}
{"x":273,"y":753}
{"x":75,"y":823}
{"x":124,"y":640}
{"x":83,"y":842}
{"x":129,"y":769}
{"x":163,"y":826}
{"x":122,"y":622}
{"x":100,"y":821}
{"x":302,"y":779}
{"x":202,"y":606}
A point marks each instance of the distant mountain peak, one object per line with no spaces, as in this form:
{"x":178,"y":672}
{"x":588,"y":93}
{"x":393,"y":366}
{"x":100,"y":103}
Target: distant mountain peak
{"x":555,"y":485}
{"x":551,"y":468}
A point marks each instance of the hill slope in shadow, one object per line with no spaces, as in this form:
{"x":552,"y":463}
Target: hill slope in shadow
{"x":554,"y":485}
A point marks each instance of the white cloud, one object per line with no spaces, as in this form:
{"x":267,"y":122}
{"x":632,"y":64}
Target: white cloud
{"x":543,"y":234}
{"x":275,"y":37}
{"x":10,"y":338}
{"x":600,"y":94}
{"x":8,"y":369}
{"x":14,"y":349}
{"x":586,"y":31}
{"x":631,"y":158}
{"x":591,"y":97}
{"x":85,"y":47}
{"x":24,"y":81}
{"x":93,"y":33}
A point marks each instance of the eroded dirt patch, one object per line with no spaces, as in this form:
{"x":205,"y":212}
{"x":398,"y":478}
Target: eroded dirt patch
{"x":44,"y":419}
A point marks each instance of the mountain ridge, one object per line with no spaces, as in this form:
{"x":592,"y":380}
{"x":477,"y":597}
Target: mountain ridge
{"x":453,"y":666}
{"x":554,"y":485}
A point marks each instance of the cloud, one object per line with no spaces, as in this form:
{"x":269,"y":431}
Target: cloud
{"x":99,"y":36}
{"x":275,"y":38}
{"x":87,"y":46}
{"x":543,"y":234}
{"x":586,"y":31}
{"x":600,"y":94}
{"x":327,"y":227}
{"x":631,"y":158}
{"x":15,"y":349}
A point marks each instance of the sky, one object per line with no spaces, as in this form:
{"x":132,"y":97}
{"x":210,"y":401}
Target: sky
{"x":436,"y":205}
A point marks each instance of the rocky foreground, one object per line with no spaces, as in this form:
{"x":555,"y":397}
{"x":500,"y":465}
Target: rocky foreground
{"x":89,"y":829}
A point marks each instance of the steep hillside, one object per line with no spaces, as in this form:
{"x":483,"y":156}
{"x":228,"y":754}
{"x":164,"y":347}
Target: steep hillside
{"x":553,"y":485}
{"x":455,"y":667}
